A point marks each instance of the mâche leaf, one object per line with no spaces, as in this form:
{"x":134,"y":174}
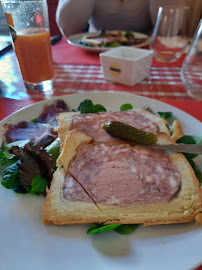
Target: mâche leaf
{"x":34,"y":120}
{"x":99,"y":108}
{"x":20,"y":189}
{"x":165,"y":115}
{"x":191,"y":139}
{"x":38,"y":184}
{"x":196,"y":169}
{"x":11,"y":176}
{"x":119,"y":228}
{"x":87,"y":106}
{"x":194,"y":139}
{"x":99,"y":228}
{"x":126,"y":228}
{"x":187,"y":139}
{"x":126,"y":107}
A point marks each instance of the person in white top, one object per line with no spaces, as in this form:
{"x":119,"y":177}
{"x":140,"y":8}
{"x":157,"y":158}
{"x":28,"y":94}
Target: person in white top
{"x":72,"y":16}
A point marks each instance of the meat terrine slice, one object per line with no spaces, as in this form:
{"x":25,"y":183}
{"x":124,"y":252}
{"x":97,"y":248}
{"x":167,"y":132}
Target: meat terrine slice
{"x":120,"y":183}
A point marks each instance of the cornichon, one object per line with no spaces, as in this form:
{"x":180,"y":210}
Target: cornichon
{"x":127,"y":132}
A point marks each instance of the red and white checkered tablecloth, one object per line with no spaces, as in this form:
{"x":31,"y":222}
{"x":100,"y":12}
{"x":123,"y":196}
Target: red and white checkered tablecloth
{"x":164,"y":83}
{"x":77,"y":70}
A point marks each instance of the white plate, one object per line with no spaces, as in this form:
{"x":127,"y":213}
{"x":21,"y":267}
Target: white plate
{"x":25,"y":243}
{"x":74,"y":40}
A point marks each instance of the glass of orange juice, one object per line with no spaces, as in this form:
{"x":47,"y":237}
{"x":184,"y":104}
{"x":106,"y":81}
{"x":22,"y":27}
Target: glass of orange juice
{"x":29,"y":27}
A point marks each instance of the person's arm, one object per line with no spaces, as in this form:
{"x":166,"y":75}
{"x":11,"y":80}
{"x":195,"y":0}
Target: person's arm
{"x":72,"y":15}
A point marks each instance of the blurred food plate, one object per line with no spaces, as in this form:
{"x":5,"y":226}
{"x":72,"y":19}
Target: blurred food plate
{"x":95,"y":42}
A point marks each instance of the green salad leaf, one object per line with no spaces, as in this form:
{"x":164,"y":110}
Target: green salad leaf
{"x":114,"y":44}
{"x":129,"y":34}
{"x":119,"y":228}
{"x":4,"y":153}
{"x":110,"y":45}
{"x":38,"y":184}
{"x":194,"y":139}
{"x":11,"y":176}
{"x":87,"y":106}
{"x":6,"y":158}
{"x":10,"y":171}
{"x":11,"y":179}
{"x":99,"y":108}
{"x":126,"y":228}
{"x":34,"y":120}
{"x":99,"y":228}
{"x":191,"y":139}
{"x":126,"y":107}
{"x":187,"y":139}
{"x":196,"y":169}
{"x":165,"y":115}
{"x":20,"y":189}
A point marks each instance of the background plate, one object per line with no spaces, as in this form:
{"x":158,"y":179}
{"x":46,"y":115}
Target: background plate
{"x":27,"y":244}
{"x":74,"y":40}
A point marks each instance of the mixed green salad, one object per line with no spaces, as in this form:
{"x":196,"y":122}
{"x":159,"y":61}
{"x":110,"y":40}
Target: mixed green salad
{"x":111,"y":40}
{"x":14,"y":164}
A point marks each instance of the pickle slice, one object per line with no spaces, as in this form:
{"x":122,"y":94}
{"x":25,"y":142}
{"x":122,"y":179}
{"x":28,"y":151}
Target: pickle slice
{"x":129,"y":133}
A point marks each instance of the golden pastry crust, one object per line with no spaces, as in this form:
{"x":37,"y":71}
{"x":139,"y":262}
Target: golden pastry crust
{"x":177,"y":131}
{"x":185,"y":207}
{"x":65,"y":120}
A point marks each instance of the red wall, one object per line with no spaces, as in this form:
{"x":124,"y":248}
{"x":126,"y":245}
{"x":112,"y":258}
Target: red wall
{"x":52,"y":5}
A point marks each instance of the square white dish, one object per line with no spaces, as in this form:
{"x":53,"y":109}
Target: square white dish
{"x":126,"y":65}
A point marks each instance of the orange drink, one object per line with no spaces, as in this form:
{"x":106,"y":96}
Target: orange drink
{"x":31,"y":39}
{"x":9,"y":19}
{"x":33,"y":51}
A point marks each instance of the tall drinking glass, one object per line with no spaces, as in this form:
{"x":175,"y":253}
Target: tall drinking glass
{"x":191,"y":72}
{"x":29,"y":27}
{"x":170,"y":35}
